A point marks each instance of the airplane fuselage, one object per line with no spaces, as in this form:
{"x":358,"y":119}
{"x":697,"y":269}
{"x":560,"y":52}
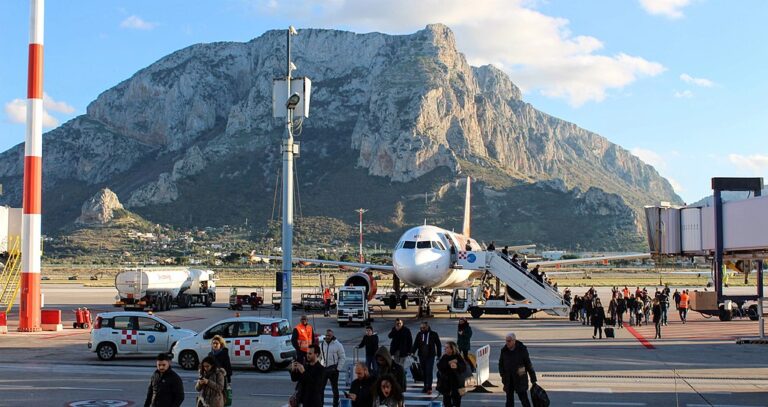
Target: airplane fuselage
{"x":422,"y":258}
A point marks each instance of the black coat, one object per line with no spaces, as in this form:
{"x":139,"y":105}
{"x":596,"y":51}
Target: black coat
{"x":401,"y":342}
{"x":310,"y":384}
{"x":598,"y":316}
{"x":515,"y":366}
{"x":371,"y":344}
{"x":222,"y":361}
{"x":656,"y":313}
{"x":427,"y":344}
{"x":165,"y":390}
{"x":449,"y":378}
{"x":362,"y":389}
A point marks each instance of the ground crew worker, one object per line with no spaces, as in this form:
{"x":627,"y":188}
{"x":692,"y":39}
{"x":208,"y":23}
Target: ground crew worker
{"x":514,"y":369}
{"x":327,"y":301}
{"x":683,"y":305}
{"x":301,"y":338}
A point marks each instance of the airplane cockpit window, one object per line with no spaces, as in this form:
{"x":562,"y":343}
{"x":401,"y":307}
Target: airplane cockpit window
{"x":438,"y":245}
{"x":400,"y":244}
{"x":424,"y":244}
{"x":409,"y":245}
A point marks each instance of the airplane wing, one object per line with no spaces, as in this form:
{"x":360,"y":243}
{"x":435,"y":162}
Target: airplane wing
{"x":591,"y":259}
{"x":377,"y":267}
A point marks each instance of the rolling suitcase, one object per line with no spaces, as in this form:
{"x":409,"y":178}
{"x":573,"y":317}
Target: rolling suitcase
{"x":417,"y":372}
{"x":609,"y":333}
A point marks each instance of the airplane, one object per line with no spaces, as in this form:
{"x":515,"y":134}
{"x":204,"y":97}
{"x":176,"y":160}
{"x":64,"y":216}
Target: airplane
{"x":422,"y":259}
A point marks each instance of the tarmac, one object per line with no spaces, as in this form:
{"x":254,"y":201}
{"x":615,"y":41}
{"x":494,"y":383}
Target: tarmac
{"x":696,"y":364}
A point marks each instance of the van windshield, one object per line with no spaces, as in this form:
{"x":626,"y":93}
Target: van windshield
{"x":351,"y":296}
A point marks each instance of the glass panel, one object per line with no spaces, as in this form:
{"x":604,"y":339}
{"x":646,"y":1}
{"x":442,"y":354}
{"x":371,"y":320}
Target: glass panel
{"x":438,"y":245}
{"x":409,"y":245}
{"x":424,"y":244}
{"x":284,"y":328}
{"x":226,"y":330}
{"x":123,"y":323}
{"x":149,"y":324}
{"x":350,"y":296}
{"x":248,"y":328}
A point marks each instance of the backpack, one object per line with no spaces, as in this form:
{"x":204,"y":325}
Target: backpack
{"x":539,"y":397}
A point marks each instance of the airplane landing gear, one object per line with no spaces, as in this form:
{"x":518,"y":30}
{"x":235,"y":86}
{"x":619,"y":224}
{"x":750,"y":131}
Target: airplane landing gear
{"x":423,"y":301}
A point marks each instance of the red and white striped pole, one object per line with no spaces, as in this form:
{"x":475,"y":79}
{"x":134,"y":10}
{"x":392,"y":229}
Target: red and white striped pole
{"x":29,"y":312}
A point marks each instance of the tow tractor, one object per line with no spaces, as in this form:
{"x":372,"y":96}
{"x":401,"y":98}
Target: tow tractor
{"x":255,"y":299}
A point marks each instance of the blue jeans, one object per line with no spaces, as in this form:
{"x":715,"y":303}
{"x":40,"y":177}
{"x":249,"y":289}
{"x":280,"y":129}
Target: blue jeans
{"x":370,"y":363}
{"x":428,"y":365}
{"x":664,"y":315}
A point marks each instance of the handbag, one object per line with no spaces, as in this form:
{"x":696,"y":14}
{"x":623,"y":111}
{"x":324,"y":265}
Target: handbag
{"x":463,"y":377}
{"x":539,"y":397}
{"x":228,"y":395}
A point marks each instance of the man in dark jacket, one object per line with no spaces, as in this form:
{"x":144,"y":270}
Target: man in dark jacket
{"x":427,"y":346}
{"x":400,"y":346}
{"x":310,"y":377}
{"x":385,"y":366}
{"x":514,"y":368}
{"x":371,"y":343}
{"x":165,"y":387}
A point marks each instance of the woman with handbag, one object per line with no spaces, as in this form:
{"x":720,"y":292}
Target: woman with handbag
{"x":220,"y":354}
{"x":451,"y":368}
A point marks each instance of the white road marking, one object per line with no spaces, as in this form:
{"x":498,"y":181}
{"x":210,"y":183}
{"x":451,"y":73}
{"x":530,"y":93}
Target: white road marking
{"x":719,"y":405}
{"x":585,"y":390}
{"x":607,"y":403}
{"x":11,"y":387}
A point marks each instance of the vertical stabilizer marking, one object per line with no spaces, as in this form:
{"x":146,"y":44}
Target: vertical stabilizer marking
{"x":467,"y":210}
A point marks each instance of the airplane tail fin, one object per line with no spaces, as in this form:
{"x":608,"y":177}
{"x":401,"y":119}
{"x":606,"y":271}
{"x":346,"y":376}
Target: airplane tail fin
{"x":467,"y":210}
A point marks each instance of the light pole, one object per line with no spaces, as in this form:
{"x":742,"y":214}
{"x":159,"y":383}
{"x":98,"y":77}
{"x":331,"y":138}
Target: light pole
{"x":287,"y":298}
{"x":361,"y":211}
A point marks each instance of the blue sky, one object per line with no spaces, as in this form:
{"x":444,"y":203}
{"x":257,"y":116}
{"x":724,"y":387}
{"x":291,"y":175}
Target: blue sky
{"x":680,"y":83}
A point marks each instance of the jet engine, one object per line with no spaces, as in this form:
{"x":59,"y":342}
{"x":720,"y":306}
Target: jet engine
{"x":363,"y":279}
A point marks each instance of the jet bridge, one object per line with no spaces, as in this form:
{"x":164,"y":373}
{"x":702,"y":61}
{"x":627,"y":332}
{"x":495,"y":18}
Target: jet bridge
{"x":524,"y":295}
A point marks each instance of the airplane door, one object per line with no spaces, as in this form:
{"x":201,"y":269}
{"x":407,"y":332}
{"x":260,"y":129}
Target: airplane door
{"x":460,"y":300}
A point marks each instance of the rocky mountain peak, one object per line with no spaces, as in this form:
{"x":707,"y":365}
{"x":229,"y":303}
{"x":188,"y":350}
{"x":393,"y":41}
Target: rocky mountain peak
{"x":99,"y":209}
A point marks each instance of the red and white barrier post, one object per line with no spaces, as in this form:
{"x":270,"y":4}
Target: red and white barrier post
{"x":29,"y":311}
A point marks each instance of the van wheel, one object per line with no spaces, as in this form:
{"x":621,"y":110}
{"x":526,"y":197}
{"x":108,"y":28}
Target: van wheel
{"x":476,"y":313}
{"x":524,"y":313}
{"x":188,"y":360}
{"x":263,"y":362}
{"x":392,"y":301}
{"x":106,"y":351}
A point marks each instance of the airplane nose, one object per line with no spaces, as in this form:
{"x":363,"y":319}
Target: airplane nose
{"x":415,"y":268}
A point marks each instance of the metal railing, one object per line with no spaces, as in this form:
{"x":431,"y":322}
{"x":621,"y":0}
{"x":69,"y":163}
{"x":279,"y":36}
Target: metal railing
{"x":10,"y":278}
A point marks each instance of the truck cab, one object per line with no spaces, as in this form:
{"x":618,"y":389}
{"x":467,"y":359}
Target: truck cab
{"x":352,"y":306}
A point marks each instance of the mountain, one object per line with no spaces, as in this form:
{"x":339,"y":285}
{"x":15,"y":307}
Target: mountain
{"x":396,"y":123}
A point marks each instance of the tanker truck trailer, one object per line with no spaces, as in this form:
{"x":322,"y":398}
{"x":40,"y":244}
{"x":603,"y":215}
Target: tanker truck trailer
{"x":158,"y":289}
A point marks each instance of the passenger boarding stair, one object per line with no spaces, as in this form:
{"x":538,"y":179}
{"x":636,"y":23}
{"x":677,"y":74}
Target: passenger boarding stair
{"x":523,"y":287}
{"x":10,"y":277}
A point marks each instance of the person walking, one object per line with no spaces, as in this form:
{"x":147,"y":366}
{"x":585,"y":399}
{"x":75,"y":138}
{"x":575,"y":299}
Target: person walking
{"x":427,"y":347}
{"x":220,"y":354}
{"x":612,"y":306}
{"x":632,"y":308}
{"x":400,"y":344}
{"x":302,"y":336}
{"x":505,"y":251}
{"x":657,"y":317}
{"x":621,"y":308}
{"x":327,"y":302}
{"x":211,"y":384}
{"x":464,"y":337}
{"x":514,"y":368}
{"x":360,"y":389}
{"x":664,"y":302}
{"x":310,"y":378}
{"x":451,"y":367}
{"x":491,"y":247}
{"x":683,"y":307}
{"x":371,"y":343}
{"x":388,"y":393}
{"x":333,"y":358}
{"x":385,"y":366}
{"x":598,"y":318}
{"x":165,"y":387}
{"x":676,"y":297}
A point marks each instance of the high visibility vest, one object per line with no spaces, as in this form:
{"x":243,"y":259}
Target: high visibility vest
{"x":327,"y":294}
{"x":305,"y":336}
{"x":684,"y":300}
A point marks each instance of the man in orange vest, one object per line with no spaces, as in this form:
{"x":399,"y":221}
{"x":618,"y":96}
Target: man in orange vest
{"x":301,"y":338}
{"x":327,"y":301}
{"x":683,"y":305}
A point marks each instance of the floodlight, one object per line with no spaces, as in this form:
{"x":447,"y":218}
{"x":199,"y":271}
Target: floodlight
{"x":293,"y":100}
{"x":292,"y":30}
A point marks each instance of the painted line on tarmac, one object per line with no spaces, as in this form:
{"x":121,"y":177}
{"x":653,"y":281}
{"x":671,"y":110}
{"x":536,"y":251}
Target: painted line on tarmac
{"x":607,"y":403}
{"x":63,"y":335}
{"x":585,"y":390}
{"x":639,"y":337}
{"x":10,"y":387}
{"x":719,"y":405}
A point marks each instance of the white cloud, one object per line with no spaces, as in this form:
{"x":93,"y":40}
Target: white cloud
{"x":668,"y":8}
{"x":650,"y":157}
{"x":686,"y":94}
{"x":16,"y":110}
{"x":704,"y":83}
{"x":538,"y":51}
{"x":756,"y":164}
{"x":137,"y":23}
{"x":675,"y":185}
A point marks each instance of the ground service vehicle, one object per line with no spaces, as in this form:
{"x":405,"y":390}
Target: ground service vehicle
{"x":352,"y":306}
{"x":254,"y":300}
{"x":310,"y":301}
{"x":252,"y":341}
{"x":133,"y":333}
{"x":157,"y":289}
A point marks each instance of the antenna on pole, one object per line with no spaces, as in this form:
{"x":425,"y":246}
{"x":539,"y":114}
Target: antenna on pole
{"x":361,"y":211}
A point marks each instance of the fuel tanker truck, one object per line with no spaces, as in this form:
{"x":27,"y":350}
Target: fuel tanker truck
{"x":158,"y":289}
